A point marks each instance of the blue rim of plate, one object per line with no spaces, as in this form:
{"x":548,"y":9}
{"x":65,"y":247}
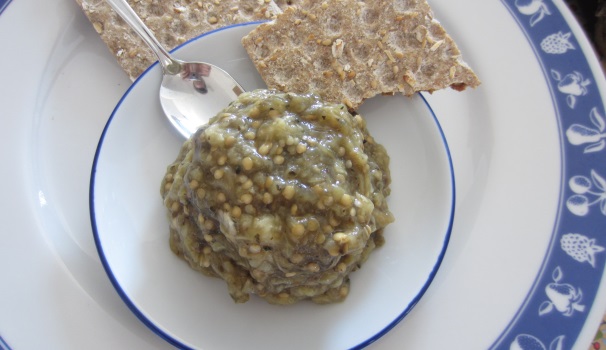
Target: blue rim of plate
{"x":175,"y":342}
{"x":3,"y":5}
{"x":557,"y":304}
{"x":3,"y":344}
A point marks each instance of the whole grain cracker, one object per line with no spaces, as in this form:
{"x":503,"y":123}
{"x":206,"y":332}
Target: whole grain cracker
{"x":172,"y":21}
{"x":347,"y":51}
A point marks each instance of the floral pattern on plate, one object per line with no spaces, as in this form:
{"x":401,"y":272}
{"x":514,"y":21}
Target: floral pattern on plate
{"x":592,"y":136}
{"x":565,"y":288}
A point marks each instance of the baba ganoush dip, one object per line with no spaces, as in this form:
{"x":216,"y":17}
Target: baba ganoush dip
{"x":281,"y":195}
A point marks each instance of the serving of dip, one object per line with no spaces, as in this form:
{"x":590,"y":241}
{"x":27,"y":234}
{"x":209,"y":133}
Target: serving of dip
{"x":281,"y":195}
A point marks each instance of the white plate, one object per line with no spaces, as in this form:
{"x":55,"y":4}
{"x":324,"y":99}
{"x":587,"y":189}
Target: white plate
{"x":508,"y":139}
{"x":190,"y":310}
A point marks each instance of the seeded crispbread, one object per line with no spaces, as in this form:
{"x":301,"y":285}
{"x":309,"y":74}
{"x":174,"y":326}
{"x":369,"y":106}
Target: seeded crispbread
{"x":347,"y":50}
{"x":172,"y":21}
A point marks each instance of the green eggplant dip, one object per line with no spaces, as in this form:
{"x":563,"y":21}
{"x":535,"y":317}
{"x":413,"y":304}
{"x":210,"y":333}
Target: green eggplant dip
{"x":281,"y":195}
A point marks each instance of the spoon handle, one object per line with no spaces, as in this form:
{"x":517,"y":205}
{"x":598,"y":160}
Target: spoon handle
{"x":169,"y":64}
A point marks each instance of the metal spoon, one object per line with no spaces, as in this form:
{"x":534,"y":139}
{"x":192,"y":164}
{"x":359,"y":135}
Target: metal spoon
{"x":191,"y":92}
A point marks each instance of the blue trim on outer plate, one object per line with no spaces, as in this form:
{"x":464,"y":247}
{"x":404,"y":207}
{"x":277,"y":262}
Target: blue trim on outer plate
{"x":4,"y":345}
{"x":176,"y":342}
{"x":3,"y":5}
{"x":556,"y":307}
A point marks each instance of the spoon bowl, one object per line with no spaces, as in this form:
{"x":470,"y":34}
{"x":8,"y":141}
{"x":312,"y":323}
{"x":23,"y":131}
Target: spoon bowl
{"x":191,"y":92}
{"x":195,"y":94}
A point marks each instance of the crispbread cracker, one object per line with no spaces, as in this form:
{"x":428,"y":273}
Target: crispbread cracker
{"x":347,"y":51}
{"x":172,"y":21}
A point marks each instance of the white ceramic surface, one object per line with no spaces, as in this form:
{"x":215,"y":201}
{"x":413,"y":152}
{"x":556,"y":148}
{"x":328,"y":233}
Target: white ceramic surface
{"x":509,"y":149}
